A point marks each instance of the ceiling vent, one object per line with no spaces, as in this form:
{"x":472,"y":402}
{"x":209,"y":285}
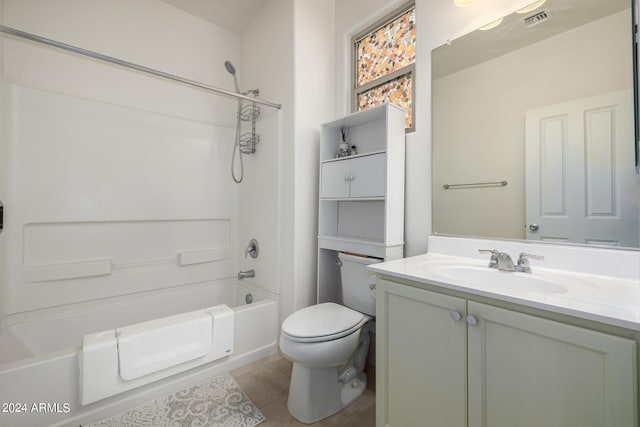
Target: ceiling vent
{"x":537,"y":18}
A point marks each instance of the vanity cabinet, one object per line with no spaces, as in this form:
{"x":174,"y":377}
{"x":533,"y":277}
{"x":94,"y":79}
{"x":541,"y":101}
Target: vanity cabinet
{"x":448,"y":361}
{"x":361,"y":203}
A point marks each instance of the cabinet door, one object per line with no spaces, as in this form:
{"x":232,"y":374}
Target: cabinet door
{"x":529,"y":372}
{"x":368,"y":176}
{"x":335,"y":180}
{"x":421,"y":358}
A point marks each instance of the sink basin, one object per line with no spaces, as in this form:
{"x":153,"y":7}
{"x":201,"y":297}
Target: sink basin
{"x":491,"y":278}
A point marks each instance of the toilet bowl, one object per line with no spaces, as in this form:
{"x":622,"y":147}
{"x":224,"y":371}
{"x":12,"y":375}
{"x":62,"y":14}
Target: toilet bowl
{"x":328,"y":345}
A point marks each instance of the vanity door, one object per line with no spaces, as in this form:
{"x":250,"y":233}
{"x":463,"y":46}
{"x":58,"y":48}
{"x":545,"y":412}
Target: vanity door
{"x":421,"y":358}
{"x":530,"y":372}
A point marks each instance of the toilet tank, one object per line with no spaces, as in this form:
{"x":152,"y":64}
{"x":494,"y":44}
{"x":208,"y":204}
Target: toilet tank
{"x":357,"y":292}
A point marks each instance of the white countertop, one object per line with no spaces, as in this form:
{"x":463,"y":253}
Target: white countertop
{"x":602,"y":298}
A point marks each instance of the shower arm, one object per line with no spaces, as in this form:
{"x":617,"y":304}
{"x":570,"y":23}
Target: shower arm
{"x":131,"y":65}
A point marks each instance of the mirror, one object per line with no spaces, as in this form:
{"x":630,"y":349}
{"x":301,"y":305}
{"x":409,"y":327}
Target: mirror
{"x":534,"y":127}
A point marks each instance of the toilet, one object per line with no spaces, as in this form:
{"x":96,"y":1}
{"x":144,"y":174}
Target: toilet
{"x":328,"y":345}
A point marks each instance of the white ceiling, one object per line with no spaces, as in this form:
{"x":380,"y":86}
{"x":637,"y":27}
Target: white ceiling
{"x":232,"y":15}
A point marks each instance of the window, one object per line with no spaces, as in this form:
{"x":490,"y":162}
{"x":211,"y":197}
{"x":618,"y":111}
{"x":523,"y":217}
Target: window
{"x":384,"y":57}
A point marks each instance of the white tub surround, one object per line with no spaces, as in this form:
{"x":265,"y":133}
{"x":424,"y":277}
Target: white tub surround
{"x":597,"y":284}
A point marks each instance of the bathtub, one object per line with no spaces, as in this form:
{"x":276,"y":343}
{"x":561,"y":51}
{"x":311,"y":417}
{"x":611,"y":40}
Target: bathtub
{"x":40,"y":352}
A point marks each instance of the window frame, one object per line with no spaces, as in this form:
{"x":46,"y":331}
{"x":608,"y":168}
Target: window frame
{"x":407,"y":69}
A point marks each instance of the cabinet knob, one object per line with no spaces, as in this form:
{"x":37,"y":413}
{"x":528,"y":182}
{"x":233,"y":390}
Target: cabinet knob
{"x":346,"y":178}
{"x":472,"y":320}
{"x":455,"y":315}
{"x":351,"y":178}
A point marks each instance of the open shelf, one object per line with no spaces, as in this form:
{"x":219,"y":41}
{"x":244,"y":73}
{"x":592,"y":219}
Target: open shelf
{"x":369,"y":153}
{"x":370,"y":247}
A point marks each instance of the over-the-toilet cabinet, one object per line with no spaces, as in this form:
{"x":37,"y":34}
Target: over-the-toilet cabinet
{"x":447,"y":361}
{"x":361,"y":206}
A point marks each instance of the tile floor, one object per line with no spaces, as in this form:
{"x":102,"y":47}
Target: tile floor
{"x":266,"y":383}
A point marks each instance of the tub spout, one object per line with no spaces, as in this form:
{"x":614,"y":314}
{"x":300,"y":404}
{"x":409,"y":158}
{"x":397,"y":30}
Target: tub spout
{"x":246,"y":273}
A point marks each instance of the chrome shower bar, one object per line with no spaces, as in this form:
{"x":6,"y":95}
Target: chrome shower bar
{"x":126,"y":64}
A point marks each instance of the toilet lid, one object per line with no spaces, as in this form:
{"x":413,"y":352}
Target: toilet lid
{"x":322,"y":320}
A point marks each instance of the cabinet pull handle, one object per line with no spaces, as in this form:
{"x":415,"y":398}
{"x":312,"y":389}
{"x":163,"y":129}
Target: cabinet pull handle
{"x":472,"y":320}
{"x":455,"y":315}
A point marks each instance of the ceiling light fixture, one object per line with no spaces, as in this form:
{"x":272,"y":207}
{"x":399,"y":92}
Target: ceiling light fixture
{"x":532,"y":6}
{"x":491,"y":25}
{"x":465,"y":3}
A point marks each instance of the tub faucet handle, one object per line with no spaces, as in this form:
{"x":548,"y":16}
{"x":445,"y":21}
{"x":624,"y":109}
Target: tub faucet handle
{"x":253,"y":249}
{"x":245,"y":274}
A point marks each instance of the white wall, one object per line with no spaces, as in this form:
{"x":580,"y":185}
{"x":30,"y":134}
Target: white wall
{"x":111,"y":165}
{"x":267,"y":54}
{"x":436,"y":22}
{"x":267,"y":64}
{"x":288,"y":53}
{"x":4,"y":154}
{"x":314,"y":70}
{"x":147,"y":32}
{"x":493,"y":138}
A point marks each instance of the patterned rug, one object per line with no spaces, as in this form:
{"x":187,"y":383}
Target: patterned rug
{"x":217,"y":402}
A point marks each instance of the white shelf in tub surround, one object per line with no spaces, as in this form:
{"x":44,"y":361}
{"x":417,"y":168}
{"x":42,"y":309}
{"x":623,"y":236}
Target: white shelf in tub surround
{"x":602,"y":285}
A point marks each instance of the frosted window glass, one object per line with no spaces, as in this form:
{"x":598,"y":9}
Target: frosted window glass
{"x":397,"y":91}
{"x":387,"y":49}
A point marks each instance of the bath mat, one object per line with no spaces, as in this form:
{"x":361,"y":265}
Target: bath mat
{"x":217,"y":402}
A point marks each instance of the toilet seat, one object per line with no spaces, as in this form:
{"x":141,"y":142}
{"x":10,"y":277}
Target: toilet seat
{"x":322,"y":322}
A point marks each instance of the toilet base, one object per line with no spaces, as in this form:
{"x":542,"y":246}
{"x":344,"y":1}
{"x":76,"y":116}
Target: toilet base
{"x":317,"y":393}
{"x":353,"y":388}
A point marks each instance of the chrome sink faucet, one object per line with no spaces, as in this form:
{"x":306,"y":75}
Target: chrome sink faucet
{"x":523,"y":262}
{"x":503,"y":262}
{"x":500,"y":260}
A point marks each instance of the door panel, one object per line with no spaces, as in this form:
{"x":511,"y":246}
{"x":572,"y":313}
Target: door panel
{"x":580,"y":181}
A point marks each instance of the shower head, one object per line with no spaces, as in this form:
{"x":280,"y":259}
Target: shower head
{"x":232,"y":70}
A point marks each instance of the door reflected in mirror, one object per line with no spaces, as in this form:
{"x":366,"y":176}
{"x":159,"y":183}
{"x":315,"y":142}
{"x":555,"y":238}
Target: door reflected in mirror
{"x":545,"y":102}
